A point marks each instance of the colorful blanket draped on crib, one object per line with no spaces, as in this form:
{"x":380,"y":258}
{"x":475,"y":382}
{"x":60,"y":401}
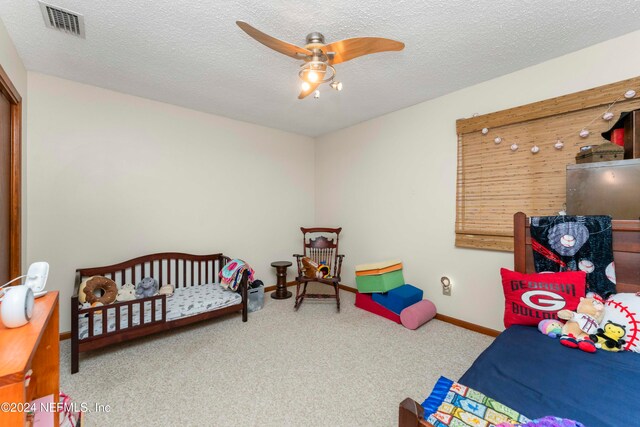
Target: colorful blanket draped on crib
{"x":231,"y":274}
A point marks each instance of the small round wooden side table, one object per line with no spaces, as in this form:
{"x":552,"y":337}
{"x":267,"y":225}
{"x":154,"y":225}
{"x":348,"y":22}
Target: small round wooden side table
{"x":281,"y":284}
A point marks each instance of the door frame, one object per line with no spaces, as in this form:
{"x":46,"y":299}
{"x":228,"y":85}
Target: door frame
{"x":15,"y":220}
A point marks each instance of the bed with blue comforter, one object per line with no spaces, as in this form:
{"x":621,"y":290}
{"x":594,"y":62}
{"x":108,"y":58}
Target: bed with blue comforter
{"x":528,"y":371}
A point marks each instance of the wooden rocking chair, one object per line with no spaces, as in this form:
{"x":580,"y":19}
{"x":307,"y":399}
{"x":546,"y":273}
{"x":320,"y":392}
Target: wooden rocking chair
{"x":319,"y":250}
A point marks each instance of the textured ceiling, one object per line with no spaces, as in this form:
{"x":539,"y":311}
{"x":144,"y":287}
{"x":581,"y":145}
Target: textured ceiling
{"x":191,"y":53}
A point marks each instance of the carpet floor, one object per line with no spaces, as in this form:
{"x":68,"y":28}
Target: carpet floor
{"x":313,"y":367}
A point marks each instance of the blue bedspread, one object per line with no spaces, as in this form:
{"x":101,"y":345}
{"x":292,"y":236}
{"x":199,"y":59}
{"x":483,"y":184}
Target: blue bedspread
{"x":537,"y":376}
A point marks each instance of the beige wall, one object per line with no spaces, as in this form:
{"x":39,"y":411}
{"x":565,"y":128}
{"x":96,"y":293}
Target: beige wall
{"x":114,"y":176}
{"x":13,"y":66}
{"x":390,"y":182}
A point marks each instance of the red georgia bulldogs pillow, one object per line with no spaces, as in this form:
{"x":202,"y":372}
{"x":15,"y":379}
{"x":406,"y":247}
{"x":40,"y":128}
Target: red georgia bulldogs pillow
{"x":530,"y":298}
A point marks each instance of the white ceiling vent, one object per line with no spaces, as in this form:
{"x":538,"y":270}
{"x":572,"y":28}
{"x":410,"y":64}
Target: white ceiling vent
{"x":62,"y":19}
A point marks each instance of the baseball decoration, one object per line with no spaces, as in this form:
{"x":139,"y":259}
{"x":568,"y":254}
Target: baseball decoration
{"x":566,"y":238}
{"x":558,"y":145}
{"x":535,"y":149}
{"x":607,"y":116}
{"x":584,"y":133}
{"x":568,"y":241}
{"x":485,"y":131}
{"x":630,"y":94}
{"x":624,"y":310}
{"x":586,"y":266}
{"x":610,"y":272}
{"x":497,"y":140}
{"x":514,"y":147}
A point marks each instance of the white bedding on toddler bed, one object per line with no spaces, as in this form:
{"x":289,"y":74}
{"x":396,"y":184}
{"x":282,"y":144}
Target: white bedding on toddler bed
{"x":184,"y":302}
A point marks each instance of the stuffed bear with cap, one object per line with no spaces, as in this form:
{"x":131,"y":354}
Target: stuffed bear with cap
{"x":147,"y":287}
{"x":582,"y":323}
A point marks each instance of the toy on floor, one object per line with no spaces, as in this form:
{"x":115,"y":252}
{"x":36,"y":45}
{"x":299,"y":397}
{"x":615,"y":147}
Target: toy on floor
{"x":365,"y":302}
{"x":379,"y":277}
{"x":126,"y":293}
{"x":551,"y":327}
{"x":610,"y":337}
{"x":582,"y":323}
{"x":418,"y":314}
{"x":147,"y":287}
{"x":399,"y":298}
{"x":100,"y":289}
{"x":166,"y":290}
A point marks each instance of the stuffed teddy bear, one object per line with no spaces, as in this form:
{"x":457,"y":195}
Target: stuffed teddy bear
{"x":147,"y":287}
{"x":610,"y":337}
{"x":126,"y":293}
{"x":551,"y":327}
{"x":582,"y":323}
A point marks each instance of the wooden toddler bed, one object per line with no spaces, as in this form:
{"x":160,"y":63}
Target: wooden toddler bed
{"x":535,"y":375}
{"x":195,"y":278}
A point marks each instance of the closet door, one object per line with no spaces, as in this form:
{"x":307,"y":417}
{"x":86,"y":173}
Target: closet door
{"x":5,"y":189}
{"x":10,"y":179}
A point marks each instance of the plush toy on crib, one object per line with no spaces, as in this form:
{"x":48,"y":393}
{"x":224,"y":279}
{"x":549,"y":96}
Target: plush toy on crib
{"x":582,"y":323}
{"x":126,"y":293}
{"x":166,"y":290}
{"x":551,"y":327}
{"x":147,"y":287}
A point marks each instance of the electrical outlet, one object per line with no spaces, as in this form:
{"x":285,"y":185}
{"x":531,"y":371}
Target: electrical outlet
{"x":446,"y":286}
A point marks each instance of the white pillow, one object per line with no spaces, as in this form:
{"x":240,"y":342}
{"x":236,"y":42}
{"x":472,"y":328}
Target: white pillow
{"x":624,"y":309}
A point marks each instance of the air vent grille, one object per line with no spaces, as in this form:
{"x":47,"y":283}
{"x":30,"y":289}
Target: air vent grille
{"x":61,"y":19}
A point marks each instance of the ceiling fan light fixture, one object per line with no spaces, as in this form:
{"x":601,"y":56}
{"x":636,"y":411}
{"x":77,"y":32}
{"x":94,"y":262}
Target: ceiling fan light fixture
{"x":305,"y":86}
{"x":312,"y":76}
{"x":336,"y":85}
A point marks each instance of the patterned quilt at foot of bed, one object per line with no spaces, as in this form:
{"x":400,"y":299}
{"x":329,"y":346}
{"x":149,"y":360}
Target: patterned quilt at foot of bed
{"x":184,"y":302}
{"x":451,"y":404}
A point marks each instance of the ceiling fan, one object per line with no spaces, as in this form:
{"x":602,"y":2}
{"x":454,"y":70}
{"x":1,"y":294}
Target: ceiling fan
{"x":319,"y":58}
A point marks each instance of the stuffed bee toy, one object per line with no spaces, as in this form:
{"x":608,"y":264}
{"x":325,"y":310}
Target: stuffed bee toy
{"x":609,"y":338}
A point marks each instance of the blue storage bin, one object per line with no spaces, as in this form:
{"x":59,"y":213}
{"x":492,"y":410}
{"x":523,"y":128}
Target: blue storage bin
{"x":399,"y":298}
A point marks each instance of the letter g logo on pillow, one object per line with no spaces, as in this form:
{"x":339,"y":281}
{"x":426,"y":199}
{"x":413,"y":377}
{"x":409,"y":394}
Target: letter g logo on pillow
{"x":543,"y":300}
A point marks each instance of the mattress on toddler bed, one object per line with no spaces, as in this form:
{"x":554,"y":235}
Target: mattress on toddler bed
{"x":184,"y":302}
{"x":537,"y":376}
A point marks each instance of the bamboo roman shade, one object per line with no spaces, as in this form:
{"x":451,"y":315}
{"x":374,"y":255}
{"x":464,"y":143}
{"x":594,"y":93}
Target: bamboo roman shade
{"x":495,"y":182}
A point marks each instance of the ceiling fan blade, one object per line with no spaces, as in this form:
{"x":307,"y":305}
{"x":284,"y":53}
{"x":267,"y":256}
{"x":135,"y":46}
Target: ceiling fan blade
{"x":273,"y":43}
{"x":348,"y":49}
{"x":312,"y":88}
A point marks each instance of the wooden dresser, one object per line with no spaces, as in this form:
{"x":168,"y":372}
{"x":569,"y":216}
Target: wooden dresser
{"x":36,"y":347}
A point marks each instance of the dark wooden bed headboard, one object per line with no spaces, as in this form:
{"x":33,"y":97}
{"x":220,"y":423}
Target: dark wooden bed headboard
{"x":626,"y":251}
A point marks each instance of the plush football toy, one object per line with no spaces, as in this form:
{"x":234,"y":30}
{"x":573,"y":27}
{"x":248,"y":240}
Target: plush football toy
{"x":582,"y":323}
{"x":610,"y":337}
{"x":551,"y":327}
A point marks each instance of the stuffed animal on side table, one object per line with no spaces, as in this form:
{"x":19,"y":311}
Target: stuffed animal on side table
{"x":610,"y":337}
{"x":551,"y":327}
{"x":126,"y":293}
{"x":582,"y":323}
{"x":147,"y":287}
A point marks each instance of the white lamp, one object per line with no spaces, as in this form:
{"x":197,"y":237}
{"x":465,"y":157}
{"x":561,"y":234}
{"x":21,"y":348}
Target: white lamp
{"x":17,"y":303}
